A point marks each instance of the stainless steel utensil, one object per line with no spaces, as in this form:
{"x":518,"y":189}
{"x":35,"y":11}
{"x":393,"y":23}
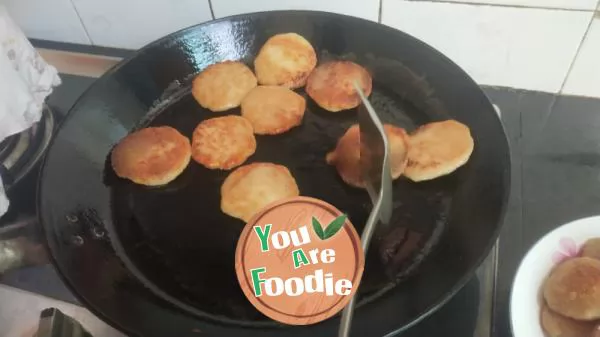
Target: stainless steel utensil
{"x":375,"y":170}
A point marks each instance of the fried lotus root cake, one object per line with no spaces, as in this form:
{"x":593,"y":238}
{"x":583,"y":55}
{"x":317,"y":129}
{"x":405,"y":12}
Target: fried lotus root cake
{"x":223,"y":142}
{"x":330,"y":85}
{"x":591,"y":248}
{"x":151,"y":156}
{"x":249,"y":188}
{"x":346,"y":155}
{"x":556,"y":325}
{"x":285,"y":60}
{"x":222,"y":86}
{"x":273,"y":110}
{"x":438,"y":149}
{"x":573,"y":289}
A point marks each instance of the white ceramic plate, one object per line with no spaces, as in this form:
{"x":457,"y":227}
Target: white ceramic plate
{"x":561,"y":243}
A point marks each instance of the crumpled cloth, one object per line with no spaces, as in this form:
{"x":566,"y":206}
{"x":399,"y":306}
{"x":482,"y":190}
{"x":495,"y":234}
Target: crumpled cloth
{"x":25,"y":82}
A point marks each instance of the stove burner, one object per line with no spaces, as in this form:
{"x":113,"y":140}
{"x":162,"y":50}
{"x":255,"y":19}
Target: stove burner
{"x":20,"y":152}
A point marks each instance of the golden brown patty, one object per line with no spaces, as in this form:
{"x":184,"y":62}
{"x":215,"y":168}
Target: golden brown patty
{"x":330,"y":85}
{"x":346,"y":156}
{"x":591,"y":248}
{"x":152,"y":156}
{"x":249,"y":188}
{"x":222,"y":86}
{"x":438,"y":149}
{"x":286,"y":60}
{"x":573,"y":289}
{"x":223,"y":142}
{"x":596,"y":332}
{"x":556,"y":325}
{"x":273,"y":110}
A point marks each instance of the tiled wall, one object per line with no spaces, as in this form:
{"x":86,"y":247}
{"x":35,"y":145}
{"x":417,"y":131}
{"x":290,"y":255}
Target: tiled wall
{"x":545,"y":45}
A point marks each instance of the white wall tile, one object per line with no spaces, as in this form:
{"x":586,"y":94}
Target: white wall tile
{"x":504,"y":46}
{"x":563,"y":4}
{"x":584,"y":78}
{"x":131,"y":24}
{"x":367,"y":9}
{"x":54,"y":20}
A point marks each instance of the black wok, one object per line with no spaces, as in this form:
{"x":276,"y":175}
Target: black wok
{"x":134,"y":254}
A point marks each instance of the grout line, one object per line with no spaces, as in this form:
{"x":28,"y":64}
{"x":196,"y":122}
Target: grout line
{"x":81,"y":21}
{"x":577,"y":52}
{"x":212,"y":11}
{"x":527,"y":149}
{"x":504,"y":5}
{"x":379,"y":14}
{"x":547,"y":115}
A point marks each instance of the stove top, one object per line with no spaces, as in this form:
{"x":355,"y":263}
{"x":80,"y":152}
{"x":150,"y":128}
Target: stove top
{"x":469,"y":313}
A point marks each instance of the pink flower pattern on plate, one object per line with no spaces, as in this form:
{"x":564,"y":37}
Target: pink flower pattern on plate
{"x":567,"y":249}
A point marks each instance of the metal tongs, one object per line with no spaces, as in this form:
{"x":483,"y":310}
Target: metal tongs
{"x":375,"y":170}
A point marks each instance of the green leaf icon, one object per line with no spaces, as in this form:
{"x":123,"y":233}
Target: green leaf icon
{"x":318,"y":229}
{"x":335,"y":226}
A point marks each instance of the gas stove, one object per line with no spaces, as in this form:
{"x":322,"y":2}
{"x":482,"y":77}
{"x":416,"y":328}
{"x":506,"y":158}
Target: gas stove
{"x":29,"y":282}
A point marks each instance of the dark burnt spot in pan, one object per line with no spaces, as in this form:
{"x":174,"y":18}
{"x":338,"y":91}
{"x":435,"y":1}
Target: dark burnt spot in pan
{"x":178,"y":238}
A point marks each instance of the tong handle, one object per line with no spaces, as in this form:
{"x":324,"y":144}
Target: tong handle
{"x":381,"y":200}
{"x":346,"y":322}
